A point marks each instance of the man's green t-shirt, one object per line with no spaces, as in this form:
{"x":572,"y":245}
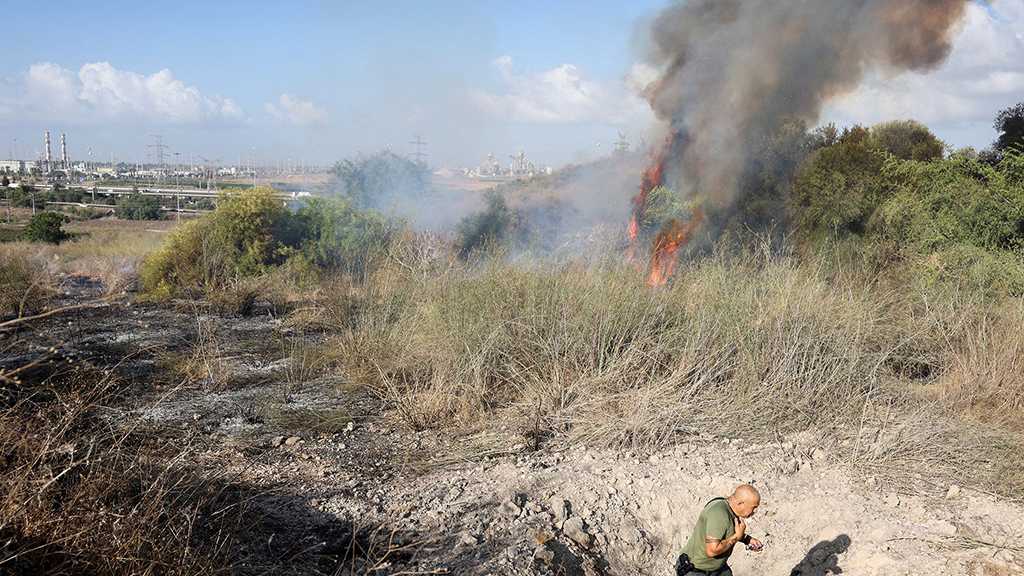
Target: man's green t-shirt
{"x":716,"y":521}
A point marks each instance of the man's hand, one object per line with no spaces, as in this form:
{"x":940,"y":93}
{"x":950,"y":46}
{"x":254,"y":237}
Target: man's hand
{"x":741,"y":528}
{"x":755,"y":545}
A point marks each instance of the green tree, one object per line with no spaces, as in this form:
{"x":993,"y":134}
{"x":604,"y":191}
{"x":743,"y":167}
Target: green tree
{"x":1009,"y":123}
{"x":382,"y":181}
{"x":838,"y":187}
{"x":46,"y":227}
{"x":492,"y":225}
{"x":907,"y":140}
{"x":136,"y":206}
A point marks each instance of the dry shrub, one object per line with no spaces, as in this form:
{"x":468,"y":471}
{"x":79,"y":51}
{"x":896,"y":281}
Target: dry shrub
{"x":26,"y":281}
{"x":202,"y":362}
{"x":986,"y":372}
{"x":271,"y":293}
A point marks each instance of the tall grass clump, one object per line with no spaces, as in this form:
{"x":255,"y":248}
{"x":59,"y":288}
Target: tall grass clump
{"x":746,"y":344}
{"x":595,"y":353}
{"x":26,"y":282}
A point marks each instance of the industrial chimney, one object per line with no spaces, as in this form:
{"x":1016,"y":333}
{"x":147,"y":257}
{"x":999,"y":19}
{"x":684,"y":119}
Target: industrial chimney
{"x":48,"y":158}
{"x":64,"y":153}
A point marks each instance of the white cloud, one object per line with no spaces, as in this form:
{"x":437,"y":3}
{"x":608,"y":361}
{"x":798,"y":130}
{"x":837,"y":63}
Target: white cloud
{"x":296,"y":111}
{"x":984,"y":73}
{"x":559,"y":95}
{"x":99,"y":92}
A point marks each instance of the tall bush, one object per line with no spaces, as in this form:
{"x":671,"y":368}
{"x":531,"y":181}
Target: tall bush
{"x":340,"y":237}
{"x":46,"y":227}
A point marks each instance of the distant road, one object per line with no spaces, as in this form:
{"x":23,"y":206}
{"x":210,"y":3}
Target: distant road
{"x":168,"y":192}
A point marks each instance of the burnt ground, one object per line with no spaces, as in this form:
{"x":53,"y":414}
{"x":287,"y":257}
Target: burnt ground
{"x":335,"y":487}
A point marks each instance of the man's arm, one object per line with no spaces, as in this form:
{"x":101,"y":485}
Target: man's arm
{"x":715,"y":547}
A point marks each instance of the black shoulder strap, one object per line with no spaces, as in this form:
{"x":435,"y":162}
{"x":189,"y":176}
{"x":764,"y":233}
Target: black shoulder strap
{"x":729,"y":508}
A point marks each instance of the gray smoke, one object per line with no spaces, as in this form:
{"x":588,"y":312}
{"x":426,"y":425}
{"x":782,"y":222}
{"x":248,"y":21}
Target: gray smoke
{"x":732,"y":70}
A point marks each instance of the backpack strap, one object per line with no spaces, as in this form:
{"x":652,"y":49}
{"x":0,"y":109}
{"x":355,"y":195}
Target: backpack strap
{"x":732,"y":515}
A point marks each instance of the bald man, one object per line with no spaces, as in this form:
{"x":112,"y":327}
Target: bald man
{"x":719,"y":528}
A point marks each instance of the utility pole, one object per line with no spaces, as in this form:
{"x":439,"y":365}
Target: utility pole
{"x":419,"y":154}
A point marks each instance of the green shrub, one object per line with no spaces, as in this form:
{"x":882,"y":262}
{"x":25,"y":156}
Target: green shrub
{"x":492,"y":225}
{"x":24,"y":197}
{"x":252,"y":232}
{"x":976,"y":270}
{"x":339,"y":237}
{"x":938,"y":205}
{"x":46,"y":227}
{"x":249,"y":233}
{"x":138,"y":207}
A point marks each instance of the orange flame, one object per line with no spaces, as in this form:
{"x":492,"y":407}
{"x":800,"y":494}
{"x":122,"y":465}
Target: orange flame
{"x":673,"y":236}
{"x":652,"y":178}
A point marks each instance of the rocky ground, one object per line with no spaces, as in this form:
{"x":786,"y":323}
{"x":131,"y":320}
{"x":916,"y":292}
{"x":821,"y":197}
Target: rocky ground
{"x":338,"y":479}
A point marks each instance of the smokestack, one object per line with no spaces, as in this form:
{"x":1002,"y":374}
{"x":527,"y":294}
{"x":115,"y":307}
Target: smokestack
{"x":732,"y":71}
{"x":48,"y":158}
{"x":64,"y":153}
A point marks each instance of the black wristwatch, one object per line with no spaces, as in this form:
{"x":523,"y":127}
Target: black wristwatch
{"x":745,"y":540}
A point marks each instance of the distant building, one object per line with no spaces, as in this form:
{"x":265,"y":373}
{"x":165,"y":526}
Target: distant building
{"x":11,"y":166}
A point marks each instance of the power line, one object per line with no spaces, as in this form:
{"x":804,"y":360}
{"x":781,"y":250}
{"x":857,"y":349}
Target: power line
{"x":419,"y":154}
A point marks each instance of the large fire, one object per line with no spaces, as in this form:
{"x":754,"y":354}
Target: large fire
{"x":652,"y":178}
{"x":672,"y":236}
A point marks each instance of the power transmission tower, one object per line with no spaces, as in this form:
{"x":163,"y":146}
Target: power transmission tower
{"x":419,"y":154}
{"x":157,"y":150}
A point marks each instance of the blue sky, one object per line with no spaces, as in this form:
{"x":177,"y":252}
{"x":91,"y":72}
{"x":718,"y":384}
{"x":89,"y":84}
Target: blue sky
{"x":325,"y":80}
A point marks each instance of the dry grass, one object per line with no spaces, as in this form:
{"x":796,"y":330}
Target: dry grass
{"x":109,"y":251}
{"x":26,"y":281}
{"x":81,"y":496}
{"x":746,"y":346}
{"x":985,"y":376}
{"x":205,"y":361}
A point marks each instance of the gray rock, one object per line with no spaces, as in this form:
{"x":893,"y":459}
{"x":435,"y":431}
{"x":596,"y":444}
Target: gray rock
{"x":292,"y":441}
{"x":576,"y":530}
{"x":467,"y":539}
{"x":510,"y":508}
{"x":560,"y":508}
{"x":790,"y":466}
{"x":543,"y":554}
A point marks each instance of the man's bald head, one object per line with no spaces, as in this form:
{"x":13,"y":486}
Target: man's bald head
{"x":744,"y":500}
